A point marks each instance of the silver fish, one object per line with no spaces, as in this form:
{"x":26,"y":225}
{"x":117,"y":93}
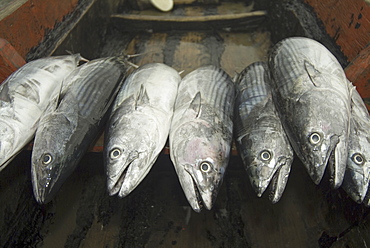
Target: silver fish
{"x":25,"y":96}
{"x":311,"y":94}
{"x":357,"y":175}
{"x":65,"y":134}
{"x":138,"y":126}
{"x":201,"y":133}
{"x":259,"y":134}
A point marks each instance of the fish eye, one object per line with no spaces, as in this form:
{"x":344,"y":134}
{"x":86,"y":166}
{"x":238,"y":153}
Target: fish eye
{"x":115,"y":153}
{"x":314,"y":138}
{"x":205,"y":166}
{"x":265,"y":155}
{"x":47,"y":159}
{"x":358,"y":159}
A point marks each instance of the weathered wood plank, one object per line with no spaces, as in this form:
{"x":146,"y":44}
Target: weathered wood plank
{"x":10,"y":60}
{"x":28,"y":24}
{"x":347,"y":21}
{"x":358,"y":72}
{"x":196,"y":22}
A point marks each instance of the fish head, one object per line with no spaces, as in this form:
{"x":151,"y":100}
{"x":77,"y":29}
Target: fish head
{"x":267,"y":151}
{"x":129,"y":151}
{"x":49,"y":164}
{"x":200,"y":154}
{"x":319,"y":137}
{"x":357,"y":175}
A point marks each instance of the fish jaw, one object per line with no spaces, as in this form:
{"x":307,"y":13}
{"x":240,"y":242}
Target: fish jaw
{"x":190,"y":189}
{"x":338,"y":166}
{"x":208,"y":183}
{"x":316,"y":162}
{"x":200,"y":163}
{"x":261,"y":174}
{"x":117,"y":171}
{"x":125,"y":176}
{"x":45,"y":177}
{"x":357,"y":174}
{"x":316,"y":137}
{"x":355,"y":183}
{"x":130,"y":152}
{"x":279,"y":180}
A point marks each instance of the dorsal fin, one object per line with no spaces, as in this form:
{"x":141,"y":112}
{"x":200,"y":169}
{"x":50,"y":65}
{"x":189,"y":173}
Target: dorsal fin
{"x":312,"y":72}
{"x":195,"y":104}
{"x":142,"y":98}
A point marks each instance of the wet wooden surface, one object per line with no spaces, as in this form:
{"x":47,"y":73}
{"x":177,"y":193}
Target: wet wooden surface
{"x":157,"y":214}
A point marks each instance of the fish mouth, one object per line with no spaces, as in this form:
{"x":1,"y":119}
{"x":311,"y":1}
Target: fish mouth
{"x":42,"y":188}
{"x":356,"y":184}
{"x":279,"y":180}
{"x":338,"y":163}
{"x":196,"y":198}
{"x":129,"y":175}
{"x":317,"y":168}
{"x":115,"y":182}
{"x":135,"y":173}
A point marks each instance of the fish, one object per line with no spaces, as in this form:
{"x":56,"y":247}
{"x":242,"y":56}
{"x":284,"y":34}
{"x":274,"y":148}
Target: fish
{"x":25,"y":96}
{"x":138,"y":126}
{"x":65,"y":134}
{"x":259,"y":135}
{"x":201,"y":133}
{"x":310,"y":91}
{"x":357,"y":174}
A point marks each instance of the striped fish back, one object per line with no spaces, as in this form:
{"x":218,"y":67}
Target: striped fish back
{"x":97,"y":81}
{"x":215,"y":86}
{"x":252,"y":87}
{"x":294,"y":58}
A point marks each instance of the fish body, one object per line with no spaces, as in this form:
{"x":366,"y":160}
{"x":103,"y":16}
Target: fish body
{"x":356,"y":177}
{"x":25,"y":96}
{"x":259,"y":134}
{"x":138,"y":126}
{"x":311,"y":94}
{"x":201,"y":133}
{"x":65,"y":134}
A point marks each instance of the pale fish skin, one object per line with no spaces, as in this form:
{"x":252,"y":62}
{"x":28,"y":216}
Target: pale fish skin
{"x":65,"y":134}
{"x":201,"y":133}
{"x":311,"y":95}
{"x":138,"y":126}
{"x":357,"y":175}
{"x":260,"y":138}
{"x":25,"y":96}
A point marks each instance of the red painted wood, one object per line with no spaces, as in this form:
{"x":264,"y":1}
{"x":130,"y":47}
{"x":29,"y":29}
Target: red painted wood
{"x":358,"y":72}
{"x":26,"y":27}
{"x":10,"y":60}
{"x":347,"y":21}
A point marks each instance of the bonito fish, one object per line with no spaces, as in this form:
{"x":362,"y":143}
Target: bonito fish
{"x":65,"y":134}
{"x":311,"y":94}
{"x":259,"y":134}
{"x":201,"y":133}
{"x":356,"y":177}
{"x":25,"y":96}
{"x":139,"y":124}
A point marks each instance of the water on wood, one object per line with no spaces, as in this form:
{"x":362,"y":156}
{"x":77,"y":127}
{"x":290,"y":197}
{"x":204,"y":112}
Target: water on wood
{"x":157,"y":214}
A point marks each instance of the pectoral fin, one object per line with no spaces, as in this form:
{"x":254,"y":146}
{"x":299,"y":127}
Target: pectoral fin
{"x":142,"y":98}
{"x":195,"y":105}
